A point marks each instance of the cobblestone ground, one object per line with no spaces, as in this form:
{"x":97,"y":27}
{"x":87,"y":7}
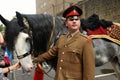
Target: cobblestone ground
{"x":19,"y":75}
{"x":107,"y":68}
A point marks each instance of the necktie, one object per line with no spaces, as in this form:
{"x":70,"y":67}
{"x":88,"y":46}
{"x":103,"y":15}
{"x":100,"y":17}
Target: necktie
{"x":69,"y":37}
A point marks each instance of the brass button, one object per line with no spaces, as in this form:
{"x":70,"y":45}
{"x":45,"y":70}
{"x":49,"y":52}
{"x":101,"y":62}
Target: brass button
{"x":61,"y":60}
{"x":65,"y":45}
{"x":60,"y":68}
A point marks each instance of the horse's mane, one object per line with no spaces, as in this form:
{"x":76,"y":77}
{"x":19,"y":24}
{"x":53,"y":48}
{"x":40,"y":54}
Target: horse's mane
{"x":42,"y":25}
{"x":40,"y":31}
{"x":11,"y":33}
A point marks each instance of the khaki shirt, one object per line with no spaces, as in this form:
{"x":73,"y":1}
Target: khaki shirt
{"x":69,"y":36}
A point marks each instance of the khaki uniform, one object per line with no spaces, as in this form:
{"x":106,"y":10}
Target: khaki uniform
{"x":75,"y":58}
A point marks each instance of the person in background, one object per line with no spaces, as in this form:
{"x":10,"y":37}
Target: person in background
{"x":10,"y":68}
{"x":4,"y":58}
{"x":1,"y":39}
{"x":74,"y":50}
{"x":5,"y":68}
{"x":2,"y":49}
{"x":5,"y":54}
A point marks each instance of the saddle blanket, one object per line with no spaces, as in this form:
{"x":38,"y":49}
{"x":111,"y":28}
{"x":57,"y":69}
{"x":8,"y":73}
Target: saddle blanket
{"x":114,"y":31}
{"x":111,"y":33}
{"x":105,"y":37}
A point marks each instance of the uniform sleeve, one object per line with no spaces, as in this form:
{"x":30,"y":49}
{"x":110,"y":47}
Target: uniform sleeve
{"x":52,"y":52}
{"x":88,"y":62}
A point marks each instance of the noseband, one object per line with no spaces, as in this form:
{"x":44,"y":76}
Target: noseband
{"x":24,"y":55}
{"x":26,"y":30}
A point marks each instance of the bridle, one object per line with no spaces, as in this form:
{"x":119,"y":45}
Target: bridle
{"x":30,"y":34}
{"x":24,"y":55}
{"x":51,"y":35}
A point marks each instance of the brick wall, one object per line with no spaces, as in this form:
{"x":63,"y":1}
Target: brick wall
{"x":53,"y":6}
{"x":106,"y":9}
{"x":44,"y":6}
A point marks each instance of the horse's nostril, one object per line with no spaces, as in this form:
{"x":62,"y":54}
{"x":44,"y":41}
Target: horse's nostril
{"x":31,"y":68}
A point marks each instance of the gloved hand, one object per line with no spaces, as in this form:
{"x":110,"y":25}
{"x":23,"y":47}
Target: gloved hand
{"x":35,"y":60}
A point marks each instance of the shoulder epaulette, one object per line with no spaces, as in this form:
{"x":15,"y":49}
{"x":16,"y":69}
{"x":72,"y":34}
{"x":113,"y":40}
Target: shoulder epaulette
{"x":58,"y":36}
{"x":84,"y":35}
{"x":88,"y":38}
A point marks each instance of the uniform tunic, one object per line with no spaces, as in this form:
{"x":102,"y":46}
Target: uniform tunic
{"x":75,"y":58}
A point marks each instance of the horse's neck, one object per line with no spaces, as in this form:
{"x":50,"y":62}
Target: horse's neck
{"x":60,"y":30}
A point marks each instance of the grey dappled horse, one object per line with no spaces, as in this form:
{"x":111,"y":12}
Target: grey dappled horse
{"x":105,"y":49}
{"x":41,"y":27}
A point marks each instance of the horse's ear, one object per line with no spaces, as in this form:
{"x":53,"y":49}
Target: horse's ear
{"x":19,"y":18}
{"x":22,"y":21}
{"x":3,"y":20}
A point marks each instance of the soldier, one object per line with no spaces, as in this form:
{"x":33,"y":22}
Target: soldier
{"x":74,"y":51}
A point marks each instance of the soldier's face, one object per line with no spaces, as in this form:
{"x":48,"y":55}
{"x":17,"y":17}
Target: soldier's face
{"x":73,"y":23}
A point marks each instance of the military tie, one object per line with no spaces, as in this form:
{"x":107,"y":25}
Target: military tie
{"x":69,"y":36}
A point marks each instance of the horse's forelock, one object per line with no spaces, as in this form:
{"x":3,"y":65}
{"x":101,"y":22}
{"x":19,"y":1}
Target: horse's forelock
{"x":11,"y":32}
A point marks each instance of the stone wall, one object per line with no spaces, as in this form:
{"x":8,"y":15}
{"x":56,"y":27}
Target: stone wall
{"x":106,"y":9}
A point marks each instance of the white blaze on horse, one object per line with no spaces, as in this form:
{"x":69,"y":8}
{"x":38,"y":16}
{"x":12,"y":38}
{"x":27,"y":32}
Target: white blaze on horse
{"x":17,"y":40}
{"x":45,"y":30}
{"x":22,"y":51}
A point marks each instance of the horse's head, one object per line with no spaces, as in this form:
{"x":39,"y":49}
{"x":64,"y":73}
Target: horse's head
{"x":42,"y":26}
{"x":17,"y":40}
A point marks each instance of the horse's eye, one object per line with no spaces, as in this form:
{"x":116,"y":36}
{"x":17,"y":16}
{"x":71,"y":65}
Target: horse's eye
{"x":27,"y":39}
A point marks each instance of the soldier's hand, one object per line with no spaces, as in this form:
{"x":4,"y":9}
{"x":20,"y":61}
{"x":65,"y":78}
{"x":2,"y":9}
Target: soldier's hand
{"x":35,"y":60}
